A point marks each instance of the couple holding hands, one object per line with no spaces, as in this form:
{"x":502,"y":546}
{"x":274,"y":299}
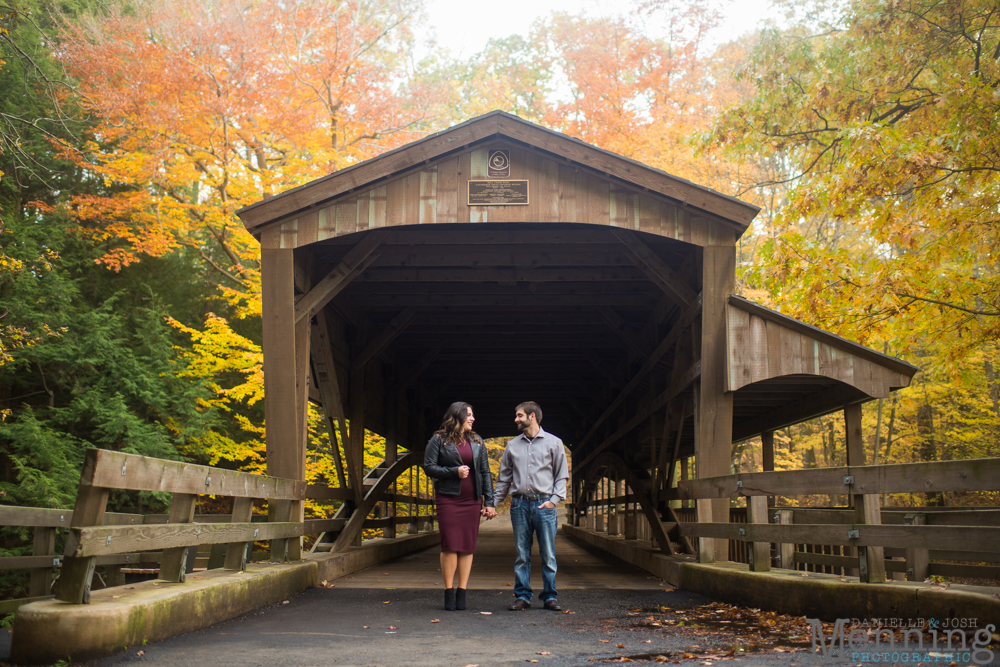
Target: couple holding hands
{"x":533,"y":470}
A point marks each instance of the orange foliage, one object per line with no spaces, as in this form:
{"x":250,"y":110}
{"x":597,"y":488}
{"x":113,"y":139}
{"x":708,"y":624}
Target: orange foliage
{"x":206,"y":107}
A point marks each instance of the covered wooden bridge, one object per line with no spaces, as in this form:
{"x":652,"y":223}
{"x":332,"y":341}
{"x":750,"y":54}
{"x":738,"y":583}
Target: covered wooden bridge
{"x":497,"y":262}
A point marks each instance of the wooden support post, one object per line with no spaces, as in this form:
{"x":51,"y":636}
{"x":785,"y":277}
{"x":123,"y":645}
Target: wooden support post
{"x":280,"y":511}
{"x":77,"y":572}
{"x":786,"y":551}
{"x":284,"y":375}
{"x":356,"y":441}
{"x":631,"y":525}
{"x":871,"y":560}
{"x":173,"y":564}
{"x":760,"y":552}
{"x":413,"y":526}
{"x":706,"y":545}
{"x":916,"y":559}
{"x":685,"y":475}
{"x":217,"y":557}
{"x":767,"y":454}
{"x":714,"y":426}
{"x":236,"y":552}
{"x":41,"y":577}
{"x":391,"y":452}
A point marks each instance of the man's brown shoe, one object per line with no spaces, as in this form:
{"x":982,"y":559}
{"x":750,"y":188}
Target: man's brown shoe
{"x":552,"y":605}
{"x":520,"y":605}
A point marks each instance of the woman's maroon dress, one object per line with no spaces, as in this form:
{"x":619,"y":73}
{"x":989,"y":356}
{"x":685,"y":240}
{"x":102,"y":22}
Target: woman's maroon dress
{"x":458,"y":516}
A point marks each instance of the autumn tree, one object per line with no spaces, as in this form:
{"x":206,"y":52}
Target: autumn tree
{"x":879,"y":119}
{"x":206,"y":107}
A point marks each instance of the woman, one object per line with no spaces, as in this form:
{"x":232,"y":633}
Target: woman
{"x":456,"y":460}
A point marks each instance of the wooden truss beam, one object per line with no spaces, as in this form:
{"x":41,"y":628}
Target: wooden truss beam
{"x":619,"y":326}
{"x":396,"y":326}
{"x":329,"y":386}
{"x":682,"y":383}
{"x":355,"y":261}
{"x":654,"y":267}
{"x":675,"y":332}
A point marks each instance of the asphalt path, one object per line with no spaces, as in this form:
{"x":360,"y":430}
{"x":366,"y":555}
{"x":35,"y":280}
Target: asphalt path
{"x":393,"y":615}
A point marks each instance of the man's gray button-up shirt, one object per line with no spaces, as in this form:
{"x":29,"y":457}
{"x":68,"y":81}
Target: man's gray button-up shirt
{"x":531,"y":466}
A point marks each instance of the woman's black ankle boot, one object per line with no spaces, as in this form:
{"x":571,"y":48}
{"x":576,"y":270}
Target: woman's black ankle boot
{"x":449,"y":599}
{"x":459,"y":598}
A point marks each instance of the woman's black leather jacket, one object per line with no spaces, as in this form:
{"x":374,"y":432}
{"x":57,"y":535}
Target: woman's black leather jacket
{"x":442,"y":460}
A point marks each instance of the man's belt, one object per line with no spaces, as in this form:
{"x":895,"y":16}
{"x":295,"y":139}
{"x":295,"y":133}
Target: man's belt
{"x":533,"y":496}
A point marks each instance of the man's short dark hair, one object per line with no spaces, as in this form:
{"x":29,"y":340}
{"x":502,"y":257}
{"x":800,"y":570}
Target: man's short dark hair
{"x":530,"y":408}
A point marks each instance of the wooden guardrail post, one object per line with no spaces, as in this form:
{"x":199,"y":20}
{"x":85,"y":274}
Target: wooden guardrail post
{"x":786,"y":550}
{"x":760,"y":552}
{"x":78,"y":571}
{"x":173,"y":564}
{"x":631,"y":525}
{"x":41,"y":577}
{"x":871,"y":560}
{"x":236,"y":552}
{"x":917,"y":561}
{"x":706,"y":545}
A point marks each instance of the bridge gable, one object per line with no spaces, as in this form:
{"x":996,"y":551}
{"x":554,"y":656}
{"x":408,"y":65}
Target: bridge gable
{"x":568,"y":181}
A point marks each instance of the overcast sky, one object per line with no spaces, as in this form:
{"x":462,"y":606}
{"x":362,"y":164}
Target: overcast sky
{"x":464,"y":27}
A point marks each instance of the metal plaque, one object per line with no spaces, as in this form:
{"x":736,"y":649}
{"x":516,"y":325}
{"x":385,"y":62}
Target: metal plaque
{"x":498,"y":163}
{"x":498,"y":193}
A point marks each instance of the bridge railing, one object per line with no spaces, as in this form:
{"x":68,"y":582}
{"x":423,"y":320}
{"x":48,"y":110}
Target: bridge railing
{"x":167,"y":545}
{"x":379,"y":506}
{"x":856,"y":540}
{"x":44,"y":561}
{"x":863,"y":528}
{"x":89,"y":539}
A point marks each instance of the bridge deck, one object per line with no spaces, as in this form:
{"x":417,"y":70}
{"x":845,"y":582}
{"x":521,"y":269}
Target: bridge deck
{"x":493,"y":567}
{"x":391,"y":614}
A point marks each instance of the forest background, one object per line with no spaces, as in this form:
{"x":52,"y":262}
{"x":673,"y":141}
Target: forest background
{"x":131,"y":130}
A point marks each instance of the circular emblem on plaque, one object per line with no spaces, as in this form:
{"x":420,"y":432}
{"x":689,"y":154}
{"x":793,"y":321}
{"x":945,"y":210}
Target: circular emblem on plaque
{"x":498,"y":164}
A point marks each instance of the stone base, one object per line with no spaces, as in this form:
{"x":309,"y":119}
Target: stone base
{"x":824,"y":596}
{"x":127,"y":616}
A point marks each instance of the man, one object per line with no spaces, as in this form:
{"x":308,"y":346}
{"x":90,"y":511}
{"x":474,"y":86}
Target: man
{"x":534,"y":470}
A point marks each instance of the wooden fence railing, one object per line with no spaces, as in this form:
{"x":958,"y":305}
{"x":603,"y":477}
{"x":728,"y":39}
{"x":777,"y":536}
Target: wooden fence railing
{"x":167,"y":544}
{"x":89,"y":538}
{"x":865,"y":532}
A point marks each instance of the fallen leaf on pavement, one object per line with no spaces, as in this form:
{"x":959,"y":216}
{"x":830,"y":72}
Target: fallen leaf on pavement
{"x":544,"y":653}
{"x":393,"y":627}
{"x":284,"y":602}
{"x":140,"y":653}
{"x":604,"y":641}
{"x":486,"y":613}
{"x":365,"y":626}
{"x":569,"y":612}
{"x":435,"y":620}
{"x":620,"y":645}
{"x":115,"y":597}
{"x":661,"y":658}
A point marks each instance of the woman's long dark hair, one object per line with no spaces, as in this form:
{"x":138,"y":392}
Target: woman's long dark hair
{"x":452,"y":425}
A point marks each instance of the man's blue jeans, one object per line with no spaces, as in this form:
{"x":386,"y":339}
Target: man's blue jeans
{"x":527,"y":520}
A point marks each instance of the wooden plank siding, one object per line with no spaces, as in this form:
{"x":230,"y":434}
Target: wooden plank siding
{"x":558,"y":192}
{"x":761,"y":349}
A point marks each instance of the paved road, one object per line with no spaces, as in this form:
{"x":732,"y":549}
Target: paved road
{"x":392,"y":615}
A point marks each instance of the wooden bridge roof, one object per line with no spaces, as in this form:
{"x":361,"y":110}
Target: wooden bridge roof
{"x":587,"y":299}
{"x":429,"y":173}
